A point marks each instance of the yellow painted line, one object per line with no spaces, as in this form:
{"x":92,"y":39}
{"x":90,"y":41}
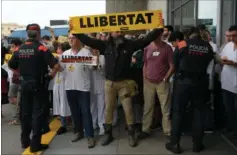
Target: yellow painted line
{"x":46,"y":138}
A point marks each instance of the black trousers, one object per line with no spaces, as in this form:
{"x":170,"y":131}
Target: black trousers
{"x":187,"y":90}
{"x":31,"y":112}
{"x":46,"y":115}
{"x":219,"y":108}
{"x":230,"y":102}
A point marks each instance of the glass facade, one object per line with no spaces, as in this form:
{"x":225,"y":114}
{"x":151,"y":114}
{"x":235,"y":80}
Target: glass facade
{"x":217,"y":15}
{"x":207,"y":15}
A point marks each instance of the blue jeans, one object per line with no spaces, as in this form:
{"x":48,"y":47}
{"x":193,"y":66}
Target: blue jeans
{"x":79,"y":103}
{"x":230,"y":102}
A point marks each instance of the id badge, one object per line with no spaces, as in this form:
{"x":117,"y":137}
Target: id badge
{"x":156,"y":53}
{"x":71,"y":68}
{"x":58,"y":81}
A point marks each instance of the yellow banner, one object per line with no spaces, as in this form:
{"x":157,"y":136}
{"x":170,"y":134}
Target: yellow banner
{"x":62,"y":39}
{"x":8,"y":57}
{"x":140,"y":20}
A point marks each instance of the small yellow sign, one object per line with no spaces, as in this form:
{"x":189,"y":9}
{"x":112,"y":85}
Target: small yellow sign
{"x":127,"y":21}
{"x":7,"y":58}
{"x":55,"y":55}
{"x":62,"y":39}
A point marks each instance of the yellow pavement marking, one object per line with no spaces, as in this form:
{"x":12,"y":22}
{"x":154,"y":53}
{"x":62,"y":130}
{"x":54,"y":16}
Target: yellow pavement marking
{"x":46,"y":138}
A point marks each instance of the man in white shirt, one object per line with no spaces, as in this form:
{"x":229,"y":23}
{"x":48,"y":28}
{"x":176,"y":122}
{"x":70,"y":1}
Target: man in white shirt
{"x":229,"y":79}
{"x":78,"y":86}
{"x":227,"y":40}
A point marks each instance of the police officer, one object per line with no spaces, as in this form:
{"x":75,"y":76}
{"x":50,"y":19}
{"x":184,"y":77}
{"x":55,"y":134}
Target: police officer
{"x":30,"y":59}
{"x":195,"y":55}
{"x":118,"y":53}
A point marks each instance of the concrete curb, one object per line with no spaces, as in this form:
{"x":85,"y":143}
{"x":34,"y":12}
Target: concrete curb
{"x":229,"y":142}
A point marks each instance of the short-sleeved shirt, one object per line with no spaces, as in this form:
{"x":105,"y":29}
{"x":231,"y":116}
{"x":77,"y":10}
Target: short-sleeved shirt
{"x":77,"y":76}
{"x":229,"y":73}
{"x":156,"y":61}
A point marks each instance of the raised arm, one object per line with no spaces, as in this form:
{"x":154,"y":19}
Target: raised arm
{"x":91,"y":42}
{"x":142,"y":43}
{"x":50,"y":60}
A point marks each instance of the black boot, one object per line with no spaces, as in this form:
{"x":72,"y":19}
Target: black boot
{"x":143,"y":135}
{"x":138,"y":127}
{"x":198,"y":147}
{"x":175,"y":148}
{"x":25,"y":143}
{"x":45,"y":129}
{"x":61,"y":130}
{"x":138,"y":130}
{"x":41,"y":147}
{"x":132,"y":140}
{"x":108,"y":137}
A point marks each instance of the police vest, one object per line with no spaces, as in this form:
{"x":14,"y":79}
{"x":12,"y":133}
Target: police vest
{"x":195,"y":56}
{"x":31,"y":60}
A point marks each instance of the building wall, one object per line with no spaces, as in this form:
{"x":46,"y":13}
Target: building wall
{"x":8,"y":27}
{"x":217,"y":15}
{"x":235,"y":12}
{"x":114,"y":6}
{"x":181,"y":13}
{"x":157,"y":5}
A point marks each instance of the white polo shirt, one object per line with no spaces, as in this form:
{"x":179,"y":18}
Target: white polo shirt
{"x":77,"y":76}
{"x":229,"y":73}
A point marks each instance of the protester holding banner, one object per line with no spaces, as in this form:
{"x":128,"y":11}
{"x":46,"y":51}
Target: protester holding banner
{"x":118,"y":53}
{"x":78,"y":86}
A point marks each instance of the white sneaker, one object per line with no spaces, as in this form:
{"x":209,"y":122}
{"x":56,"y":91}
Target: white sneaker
{"x":102,"y":131}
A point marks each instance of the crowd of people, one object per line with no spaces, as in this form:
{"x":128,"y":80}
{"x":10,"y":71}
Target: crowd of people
{"x":157,"y":77}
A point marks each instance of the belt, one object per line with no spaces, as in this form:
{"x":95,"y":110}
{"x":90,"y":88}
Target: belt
{"x":27,"y":78}
{"x":115,"y":79}
{"x":192,"y":75}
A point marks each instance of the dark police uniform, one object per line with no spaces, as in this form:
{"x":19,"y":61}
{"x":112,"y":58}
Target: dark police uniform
{"x":31,"y":58}
{"x":191,"y":85}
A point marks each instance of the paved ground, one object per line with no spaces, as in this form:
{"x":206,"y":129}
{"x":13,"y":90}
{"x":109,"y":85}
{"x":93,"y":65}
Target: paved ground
{"x":215,"y":144}
{"x":10,"y":134}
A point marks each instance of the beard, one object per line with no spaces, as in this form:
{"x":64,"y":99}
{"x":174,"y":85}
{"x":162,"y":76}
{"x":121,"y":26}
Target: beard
{"x":165,"y":35}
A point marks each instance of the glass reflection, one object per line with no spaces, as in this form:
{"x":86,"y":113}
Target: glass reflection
{"x":188,"y":14}
{"x":207,"y":15}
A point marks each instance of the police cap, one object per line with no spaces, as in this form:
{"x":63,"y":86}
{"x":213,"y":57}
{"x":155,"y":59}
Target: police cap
{"x":33,"y":27}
